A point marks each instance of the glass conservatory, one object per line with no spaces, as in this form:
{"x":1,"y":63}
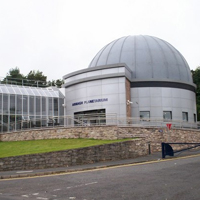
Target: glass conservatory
{"x":27,"y":107}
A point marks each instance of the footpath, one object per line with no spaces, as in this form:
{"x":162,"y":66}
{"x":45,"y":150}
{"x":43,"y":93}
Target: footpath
{"x":42,"y":172}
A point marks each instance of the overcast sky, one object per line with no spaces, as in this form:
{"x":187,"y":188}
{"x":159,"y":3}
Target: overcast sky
{"x":58,"y":37}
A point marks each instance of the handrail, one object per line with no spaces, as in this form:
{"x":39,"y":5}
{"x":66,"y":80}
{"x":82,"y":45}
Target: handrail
{"x":93,"y":120}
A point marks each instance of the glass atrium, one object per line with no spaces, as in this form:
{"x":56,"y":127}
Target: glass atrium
{"x":28,"y":107}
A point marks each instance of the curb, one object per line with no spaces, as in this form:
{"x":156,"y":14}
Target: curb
{"x":36,"y":174}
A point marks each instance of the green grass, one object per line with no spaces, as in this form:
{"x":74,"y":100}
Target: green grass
{"x":17,"y":148}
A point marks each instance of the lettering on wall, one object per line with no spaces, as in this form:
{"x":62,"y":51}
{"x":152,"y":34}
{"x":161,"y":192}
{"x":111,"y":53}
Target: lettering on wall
{"x":89,"y":101}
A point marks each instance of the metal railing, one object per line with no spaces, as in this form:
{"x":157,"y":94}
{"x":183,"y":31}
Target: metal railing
{"x":92,"y":120}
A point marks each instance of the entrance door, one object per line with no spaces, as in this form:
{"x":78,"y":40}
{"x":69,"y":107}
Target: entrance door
{"x":90,"y":117}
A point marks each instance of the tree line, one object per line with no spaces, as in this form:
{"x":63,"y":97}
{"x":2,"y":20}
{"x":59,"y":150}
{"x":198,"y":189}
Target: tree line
{"x":33,"y":78}
{"x":196,"y":80}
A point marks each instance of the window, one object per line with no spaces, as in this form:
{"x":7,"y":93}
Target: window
{"x":195,"y":119}
{"x":145,"y":115}
{"x":12,"y":104}
{"x":167,"y":115}
{"x":31,"y":105}
{"x":44,"y":112}
{"x":50,"y":107}
{"x":185,"y":116}
{"x":55,"y":103}
{"x":38,"y":106}
{"x":25,"y":105}
{"x":0,"y":103}
{"x":19,"y":104}
{"x":5,"y":103}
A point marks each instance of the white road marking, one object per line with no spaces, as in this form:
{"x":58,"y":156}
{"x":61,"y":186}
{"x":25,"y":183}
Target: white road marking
{"x":25,"y":196}
{"x":91,"y":183}
{"x":42,"y":198}
{"x":72,"y":197}
{"x":21,"y":172}
{"x":35,"y":194}
{"x":81,"y":185}
{"x":56,"y":189}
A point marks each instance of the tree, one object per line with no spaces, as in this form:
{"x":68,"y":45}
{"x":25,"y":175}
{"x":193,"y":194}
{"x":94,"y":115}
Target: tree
{"x":196,"y":79}
{"x":36,"y":78}
{"x":14,"y":77}
{"x":58,"y":83}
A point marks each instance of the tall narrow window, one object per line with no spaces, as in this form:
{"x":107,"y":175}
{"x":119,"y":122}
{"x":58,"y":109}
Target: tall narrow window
{"x":50,"y":107}
{"x":61,"y":106}
{"x":19,"y":104}
{"x":31,"y":105}
{"x":1,"y":111}
{"x":55,"y":105}
{"x":195,"y":119}
{"x":167,"y":115}
{"x":25,"y":105}
{"x":5,"y":123}
{"x":5,"y":103}
{"x":185,"y":116}
{"x":12,"y":104}
{"x":44,"y":112}
{"x":12,"y":112}
{"x":38,"y":109}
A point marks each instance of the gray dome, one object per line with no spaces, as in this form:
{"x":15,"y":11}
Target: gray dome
{"x":148,"y":58}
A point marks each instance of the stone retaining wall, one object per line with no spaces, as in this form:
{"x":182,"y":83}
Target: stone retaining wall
{"x":116,"y":151}
{"x":107,"y":152}
{"x":96,"y":132}
{"x":153,"y":135}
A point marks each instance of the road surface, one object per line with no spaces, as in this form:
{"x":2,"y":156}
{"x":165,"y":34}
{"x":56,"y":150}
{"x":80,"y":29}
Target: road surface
{"x":171,"y":179}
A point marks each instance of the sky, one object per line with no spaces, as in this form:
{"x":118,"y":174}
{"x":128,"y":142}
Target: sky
{"x":58,"y":37}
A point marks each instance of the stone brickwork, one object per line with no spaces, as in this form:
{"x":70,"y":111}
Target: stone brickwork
{"x":153,"y":135}
{"x":116,"y":151}
{"x":96,"y":132}
{"x":99,"y":153}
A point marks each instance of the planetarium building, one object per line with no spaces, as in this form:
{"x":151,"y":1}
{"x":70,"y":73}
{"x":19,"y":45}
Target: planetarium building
{"x":138,"y":77}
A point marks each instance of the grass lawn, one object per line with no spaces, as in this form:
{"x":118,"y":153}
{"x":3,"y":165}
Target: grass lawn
{"x":17,"y":148}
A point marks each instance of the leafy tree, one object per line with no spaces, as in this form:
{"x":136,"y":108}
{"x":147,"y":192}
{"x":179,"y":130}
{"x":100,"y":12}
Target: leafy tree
{"x":196,"y":79}
{"x":14,"y":77}
{"x":58,"y":83}
{"x":36,"y":78}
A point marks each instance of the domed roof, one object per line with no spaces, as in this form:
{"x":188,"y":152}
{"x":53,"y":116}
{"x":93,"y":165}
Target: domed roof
{"x":148,"y":58}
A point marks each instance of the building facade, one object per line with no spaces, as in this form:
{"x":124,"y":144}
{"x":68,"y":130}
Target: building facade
{"x":28,"y":107}
{"x":136,"y":76}
{"x":133,"y":77}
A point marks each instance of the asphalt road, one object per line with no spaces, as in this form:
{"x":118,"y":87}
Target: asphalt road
{"x":167,"y":180}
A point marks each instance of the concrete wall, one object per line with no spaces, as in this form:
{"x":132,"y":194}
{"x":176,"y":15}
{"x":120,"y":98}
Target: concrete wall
{"x":79,"y":96}
{"x":100,"y":153}
{"x":157,"y":99}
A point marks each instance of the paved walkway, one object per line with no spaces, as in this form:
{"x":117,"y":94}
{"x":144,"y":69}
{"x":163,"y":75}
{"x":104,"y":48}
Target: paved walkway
{"x":41,"y":172}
